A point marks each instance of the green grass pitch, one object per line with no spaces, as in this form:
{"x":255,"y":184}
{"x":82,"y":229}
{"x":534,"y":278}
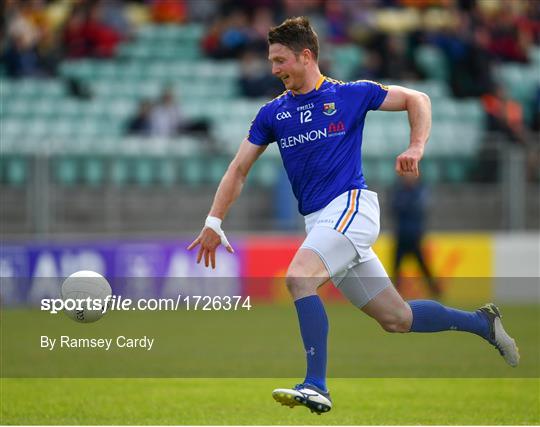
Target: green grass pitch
{"x":375,"y":378}
{"x":248,"y":401}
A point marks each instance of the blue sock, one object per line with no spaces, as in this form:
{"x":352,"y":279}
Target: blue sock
{"x":430,"y":316}
{"x":314,"y":330}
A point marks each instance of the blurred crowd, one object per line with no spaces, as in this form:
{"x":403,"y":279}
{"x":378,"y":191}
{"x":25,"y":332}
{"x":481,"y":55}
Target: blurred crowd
{"x":163,"y":118}
{"x":471,"y":35}
{"x":39,"y":34}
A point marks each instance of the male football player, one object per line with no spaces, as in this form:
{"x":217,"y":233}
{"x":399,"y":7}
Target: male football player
{"x":317,"y":123}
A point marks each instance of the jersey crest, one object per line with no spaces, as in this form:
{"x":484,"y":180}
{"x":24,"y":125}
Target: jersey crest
{"x":329,"y":109}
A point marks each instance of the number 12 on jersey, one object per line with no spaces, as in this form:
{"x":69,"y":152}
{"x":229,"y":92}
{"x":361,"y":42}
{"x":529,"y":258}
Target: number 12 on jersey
{"x":305,"y":116}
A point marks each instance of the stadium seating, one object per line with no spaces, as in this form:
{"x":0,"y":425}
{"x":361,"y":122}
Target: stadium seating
{"x":521,"y":81}
{"x":432,"y":62}
{"x":41,"y":116}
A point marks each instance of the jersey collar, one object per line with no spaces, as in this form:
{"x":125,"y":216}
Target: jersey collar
{"x":317,"y":87}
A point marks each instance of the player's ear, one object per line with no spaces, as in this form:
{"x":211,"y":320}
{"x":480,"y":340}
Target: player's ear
{"x":306,"y":55}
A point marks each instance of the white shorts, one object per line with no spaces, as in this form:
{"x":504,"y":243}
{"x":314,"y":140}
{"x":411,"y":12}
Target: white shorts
{"x":355,"y":214}
{"x":342,"y":234}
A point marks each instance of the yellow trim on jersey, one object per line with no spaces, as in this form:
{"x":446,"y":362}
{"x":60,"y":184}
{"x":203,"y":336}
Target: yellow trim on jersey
{"x":280,"y":95}
{"x":320,"y":82}
{"x":331,"y":80}
{"x":277,"y":97}
{"x":375,"y":83}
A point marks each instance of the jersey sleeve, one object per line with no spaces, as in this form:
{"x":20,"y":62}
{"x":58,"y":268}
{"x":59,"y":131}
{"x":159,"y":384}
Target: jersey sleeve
{"x":260,"y":132}
{"x":371,"y":94}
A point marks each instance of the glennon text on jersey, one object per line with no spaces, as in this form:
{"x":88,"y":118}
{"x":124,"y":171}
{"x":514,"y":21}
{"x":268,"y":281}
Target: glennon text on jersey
{"x":334,"y":129}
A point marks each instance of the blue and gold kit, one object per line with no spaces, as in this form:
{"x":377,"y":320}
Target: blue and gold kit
{"x":319,"y":135}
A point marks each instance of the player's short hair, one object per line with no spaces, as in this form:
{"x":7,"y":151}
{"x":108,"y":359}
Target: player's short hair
{"x":297,"y":34}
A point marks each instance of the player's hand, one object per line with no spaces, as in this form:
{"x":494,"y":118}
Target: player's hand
{"x":407,"y":162}
{"x":208,"y":240}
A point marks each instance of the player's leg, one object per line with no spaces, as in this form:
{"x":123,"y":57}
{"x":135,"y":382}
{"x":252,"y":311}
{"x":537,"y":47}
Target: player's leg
{"x":305,"y":274}
{"x":369,"y":288}
{"x":385,"y":305}
{"x":323,"y":253}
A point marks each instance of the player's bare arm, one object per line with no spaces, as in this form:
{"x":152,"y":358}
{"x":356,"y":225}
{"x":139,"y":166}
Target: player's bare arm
{"x":418,"y":107}
{"x":228,"y":191}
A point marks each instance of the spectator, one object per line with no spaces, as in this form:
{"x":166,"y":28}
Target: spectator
{"x":26,"y":30}
{"x":263,"y":19}
{"x":168,"y":12}
{"x":504,"y":115}
{"x":21,"y":59}
{"x":140,"y":124}
{"x":336,"y":17}
{"x":113,"y":16}
{"x":255,"y":79}
{"x":409,"y":206}
{"x":230,"y":37}
{"x":165,"y":119}
{"x":73,"y":36}
{"x":102,"y":39}
{"x":20,"y":27}
{"x":507,"y":41}
{"x":85,"y":34}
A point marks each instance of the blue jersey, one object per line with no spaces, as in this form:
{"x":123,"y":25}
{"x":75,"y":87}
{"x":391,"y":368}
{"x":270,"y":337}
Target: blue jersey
{"x":319,"y":135}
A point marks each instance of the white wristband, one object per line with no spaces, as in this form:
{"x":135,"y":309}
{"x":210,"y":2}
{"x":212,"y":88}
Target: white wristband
{"x":215,"y":224}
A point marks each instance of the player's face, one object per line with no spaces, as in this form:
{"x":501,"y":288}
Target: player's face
{"x":287,"y":66}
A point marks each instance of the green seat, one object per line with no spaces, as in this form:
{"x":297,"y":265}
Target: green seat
{"x":369,"y":169}
{"x":432,"y":62}
{"x":67,"y":172}
{"x":386,"y":173}
{"x":216,"y":169}
{"x":266,"y":172}
{"x":144,"y":172}
{"x":94,"y":171}
{"x":430,"y":171}
{"x":167,"y":173}
{"x":470,"y":111}
{"x":456,"y":170}
{"x":81,"y":69}
{"x":347,"y":61}
{"x":192,"y":171}
{"x":119,"y":171}
{"x":17,"y":171}
{"x":190,"y":33}
{"x":14,"y":128}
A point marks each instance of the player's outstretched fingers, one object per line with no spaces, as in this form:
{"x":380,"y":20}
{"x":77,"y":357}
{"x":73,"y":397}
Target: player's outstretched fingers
{"x":200,"y":254}
{"x":194,"y":243}
{"x":206,"y":258}
{"x":229,"y":249}
{"x":213,"y":259}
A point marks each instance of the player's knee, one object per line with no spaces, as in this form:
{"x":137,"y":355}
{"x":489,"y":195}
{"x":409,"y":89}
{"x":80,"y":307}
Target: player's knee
{"x":398,"y":320}
{"x":298,"y":284}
